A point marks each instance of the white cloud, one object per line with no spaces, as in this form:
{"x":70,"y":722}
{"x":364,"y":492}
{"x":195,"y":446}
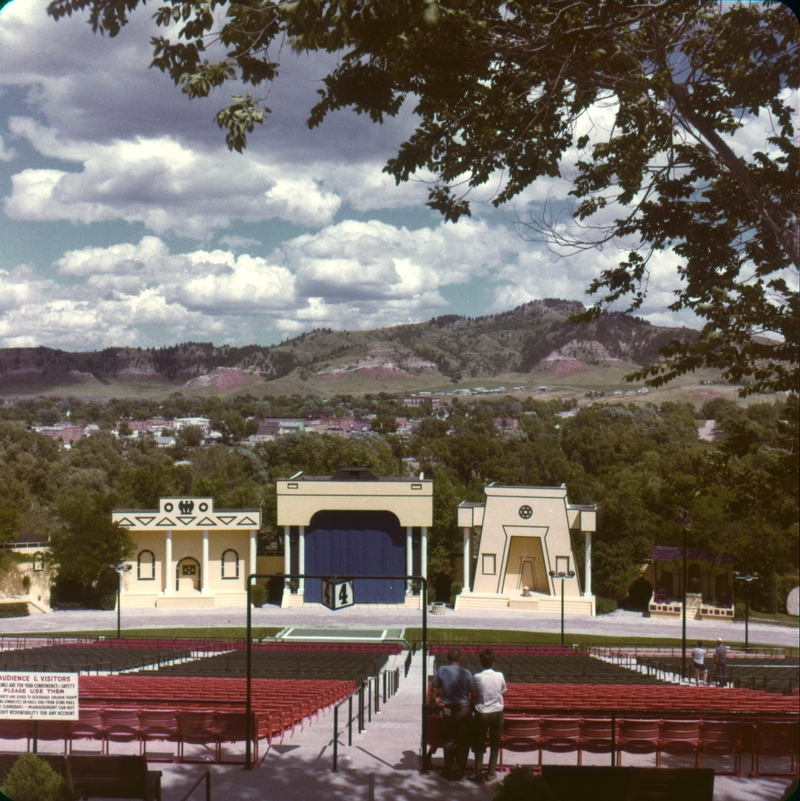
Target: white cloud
{"x":163,"y":184}
{"x":234,"y":242}
{"x":6,"y":154}
{"x":375,"y":260}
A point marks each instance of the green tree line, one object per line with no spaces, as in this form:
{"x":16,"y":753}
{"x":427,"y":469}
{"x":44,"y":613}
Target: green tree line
{"x":638,"y":463}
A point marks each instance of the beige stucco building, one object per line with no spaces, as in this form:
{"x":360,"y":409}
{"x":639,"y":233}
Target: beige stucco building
{"x":355,"y":523}
{"x":514,"y":540}
{"x":188,"y":554}
{"x":27,"y":579}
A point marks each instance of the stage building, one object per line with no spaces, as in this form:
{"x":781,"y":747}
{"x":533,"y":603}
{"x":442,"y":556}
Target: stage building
{"x":355,"y":523}
{"x":514,"y":540}
{"x":188,"y":554}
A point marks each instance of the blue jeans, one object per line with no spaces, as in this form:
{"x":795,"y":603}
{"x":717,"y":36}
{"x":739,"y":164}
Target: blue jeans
{"x":493,"y":721}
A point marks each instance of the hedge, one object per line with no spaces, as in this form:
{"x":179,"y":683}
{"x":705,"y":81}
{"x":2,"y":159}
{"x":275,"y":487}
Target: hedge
{"x":16,"y":609}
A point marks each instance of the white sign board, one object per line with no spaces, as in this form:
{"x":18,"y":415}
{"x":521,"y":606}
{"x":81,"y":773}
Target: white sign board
{"x":337,"y":593}
{"x":38,"y":696}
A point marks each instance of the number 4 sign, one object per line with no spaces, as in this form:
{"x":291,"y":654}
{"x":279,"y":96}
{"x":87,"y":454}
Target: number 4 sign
{"x":337,"y":593}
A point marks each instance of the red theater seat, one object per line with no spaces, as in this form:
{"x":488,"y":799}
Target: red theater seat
{"x":521,"y":735}
{"x":722,"y":737}
{"x":637,"y":737}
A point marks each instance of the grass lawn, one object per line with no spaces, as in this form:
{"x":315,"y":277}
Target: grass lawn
{"x":777,"y":619}
{"x":412,"y":634}
{"x":492,"y":636}
{"x":187,"y":633}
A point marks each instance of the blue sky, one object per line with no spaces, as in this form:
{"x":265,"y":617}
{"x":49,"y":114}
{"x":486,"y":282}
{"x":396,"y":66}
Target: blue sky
{"x":125,"y":220}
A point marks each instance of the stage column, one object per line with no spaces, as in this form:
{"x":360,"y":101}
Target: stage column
{"x":169,"y":568}
{"x":301,"y":559}
{"x":409,"y":558}
{"x":205,"y":588}
{"x":423,"y":552}
{"x":287,"y":551}
{"x":465,"y":569}
{"x":587,"y":550}
{"x":253,"y":551}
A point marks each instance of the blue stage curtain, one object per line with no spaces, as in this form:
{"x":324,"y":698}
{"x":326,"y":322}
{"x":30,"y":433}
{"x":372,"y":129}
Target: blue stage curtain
{"x":348,"y":544}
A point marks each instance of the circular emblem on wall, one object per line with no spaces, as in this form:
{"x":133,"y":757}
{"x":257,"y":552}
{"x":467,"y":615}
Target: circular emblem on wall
{"x":203,"y":507}
{"x":525,"y":512}
{"x":168,"y":507}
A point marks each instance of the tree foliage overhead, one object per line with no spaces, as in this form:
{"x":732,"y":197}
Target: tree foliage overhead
{"x":503,"y":89}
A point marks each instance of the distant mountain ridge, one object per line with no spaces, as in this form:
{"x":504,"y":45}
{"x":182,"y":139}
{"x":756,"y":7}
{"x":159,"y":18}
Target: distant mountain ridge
{"x":536,"y":334}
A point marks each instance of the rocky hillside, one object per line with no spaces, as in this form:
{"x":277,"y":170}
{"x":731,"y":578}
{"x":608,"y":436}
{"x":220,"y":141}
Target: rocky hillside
{"x":537,"y":334}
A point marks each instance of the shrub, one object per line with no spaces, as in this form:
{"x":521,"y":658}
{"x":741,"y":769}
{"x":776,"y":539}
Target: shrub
{"x":16,"y":609}
{"x":32,"y":779}
{"x":605,"y":606}
{"x":258,"y":594}
{"x":455,"y":590}
{"x":522,"y":785}
{"x":107,"y":601}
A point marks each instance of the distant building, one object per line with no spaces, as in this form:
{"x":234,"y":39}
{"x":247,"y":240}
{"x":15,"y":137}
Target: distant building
{"x":415,"y":401}
{"x":65,"y":433}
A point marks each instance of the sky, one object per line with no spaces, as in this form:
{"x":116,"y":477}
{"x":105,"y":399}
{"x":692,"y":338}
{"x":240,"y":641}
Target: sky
{"x":126,"y":221}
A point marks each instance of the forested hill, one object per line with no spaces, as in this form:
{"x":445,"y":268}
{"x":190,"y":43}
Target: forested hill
{"x":514,"y":342}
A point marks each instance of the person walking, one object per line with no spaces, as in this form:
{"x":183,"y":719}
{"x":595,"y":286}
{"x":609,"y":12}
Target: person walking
{"x":454,"y":688}
{"x":699,"y":662}
{"x":490,"y":684}
{"x":721,"y":662}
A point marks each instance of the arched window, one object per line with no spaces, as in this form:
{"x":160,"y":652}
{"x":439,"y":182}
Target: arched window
{"x":146,"y":566}
{"x":230,"y":564}
{"x":38,"y":562}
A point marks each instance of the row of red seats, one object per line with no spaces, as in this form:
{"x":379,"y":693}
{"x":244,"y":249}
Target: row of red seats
{"x":347,"y":647}
{"x":294,"y":700}
{"x":641,"y":696}
{"x":695,"y":737}
{"x":142,"y":725}
{"x":158,"y":644}
{"x":532,"y":650}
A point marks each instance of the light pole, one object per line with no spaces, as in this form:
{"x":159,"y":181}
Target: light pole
{"x":562,"y":575}
{"x":748,"y":579}
{"x":122,"y":569}
{"x":683,"y":519}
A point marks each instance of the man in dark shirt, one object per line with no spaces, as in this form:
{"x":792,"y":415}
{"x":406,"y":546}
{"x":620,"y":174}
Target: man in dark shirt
{"x":721,"y":661}
{"x":452,"y":686}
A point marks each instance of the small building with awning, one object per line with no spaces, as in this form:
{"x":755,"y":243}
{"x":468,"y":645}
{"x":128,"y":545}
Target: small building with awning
{"x":709,"y":582}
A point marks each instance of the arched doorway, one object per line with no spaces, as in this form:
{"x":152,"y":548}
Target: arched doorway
{"x":694,"y":576}
{"x":188,"y":574}
{"x":357,"y":543}
{"x":667,"y":584}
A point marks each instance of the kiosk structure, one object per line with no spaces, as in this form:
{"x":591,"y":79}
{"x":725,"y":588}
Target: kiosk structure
{"x":188,"y":554}
{"x":355,"y":523}
{"x":514,"y":541}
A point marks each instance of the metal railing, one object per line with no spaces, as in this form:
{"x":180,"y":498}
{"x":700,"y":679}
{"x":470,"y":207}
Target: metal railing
{"x":207,"y":777}
{"x":384,"y":685}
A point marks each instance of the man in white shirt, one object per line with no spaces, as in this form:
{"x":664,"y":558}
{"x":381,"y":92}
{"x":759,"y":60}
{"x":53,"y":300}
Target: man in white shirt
{"x":491,"y":685}
{"x":698,"y":661}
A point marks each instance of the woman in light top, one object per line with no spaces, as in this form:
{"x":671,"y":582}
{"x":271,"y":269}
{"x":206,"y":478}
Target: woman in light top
{"x":491,"y":685}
